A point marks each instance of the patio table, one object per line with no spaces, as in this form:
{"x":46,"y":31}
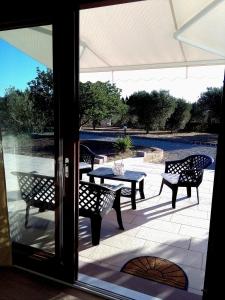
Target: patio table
{"x":133,"y":177}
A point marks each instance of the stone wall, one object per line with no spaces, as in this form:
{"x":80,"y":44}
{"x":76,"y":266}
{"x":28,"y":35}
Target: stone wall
{"x":153,"y":155}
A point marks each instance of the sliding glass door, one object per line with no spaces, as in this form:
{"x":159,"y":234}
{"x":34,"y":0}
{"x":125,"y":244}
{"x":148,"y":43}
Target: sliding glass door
{"x":40,"y":145}
{"x":28,"y":135}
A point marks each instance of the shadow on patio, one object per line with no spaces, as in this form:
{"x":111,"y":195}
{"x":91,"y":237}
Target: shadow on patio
{"x":154,"y":228}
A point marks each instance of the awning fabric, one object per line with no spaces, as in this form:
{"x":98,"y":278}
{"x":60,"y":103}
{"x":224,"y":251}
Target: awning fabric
{"x":137,"y":35}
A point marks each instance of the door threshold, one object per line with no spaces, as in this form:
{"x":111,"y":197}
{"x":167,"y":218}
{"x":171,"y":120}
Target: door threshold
{"x":147,"y":288}
{"x":124,"y":293}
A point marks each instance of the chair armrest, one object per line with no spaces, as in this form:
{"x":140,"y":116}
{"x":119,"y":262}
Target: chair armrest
{"x":191,"y":176}
{"x":91,"y":152}
{"x":87,"y":155}
{"x":113,"y":188}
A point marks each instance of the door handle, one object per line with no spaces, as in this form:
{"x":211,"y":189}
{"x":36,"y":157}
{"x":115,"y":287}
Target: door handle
{"x":66,"y":167}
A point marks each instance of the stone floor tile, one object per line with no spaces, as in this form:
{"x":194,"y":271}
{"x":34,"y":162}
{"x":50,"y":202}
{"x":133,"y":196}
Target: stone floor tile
{"x":108,"y":255}
{"x":175,"y":254}
{"x":124,"y":241}
{"x":195,"y":277}
{"x":164,"y":237}
{"x":160,"y":224}
{"x":194,"y":231}
{"x":200,"y":245}
{"x":192,"y":221}
{"x":194,"y":291}
{"x":194,"y":212}
{"x":204,"y":261}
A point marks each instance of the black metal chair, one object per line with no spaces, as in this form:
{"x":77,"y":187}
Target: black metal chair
{"x":187,"y":172}
{"x":87,"y":158}
{"x":95,"y":200}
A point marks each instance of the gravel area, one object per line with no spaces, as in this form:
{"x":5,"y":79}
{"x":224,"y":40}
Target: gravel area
{"x":174,"y":146}
{"x":173,"y":149}
{"x":189,"y":137}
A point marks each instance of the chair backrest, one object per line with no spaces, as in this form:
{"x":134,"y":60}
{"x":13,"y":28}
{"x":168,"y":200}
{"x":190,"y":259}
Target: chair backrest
{"x":95,"y":199}
{"x":193,"y":174}
{"x":199,"y":161}
{"x":39,"y":191}
{"x":192,"y":162}
{"x":190,"y":168}
{"x":86,"y":155}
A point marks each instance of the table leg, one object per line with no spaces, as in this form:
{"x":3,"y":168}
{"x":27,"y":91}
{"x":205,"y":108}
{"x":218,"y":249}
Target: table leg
{"x":141,"y":189}
{"x":92,"y":179}
{"x":133,"y":195}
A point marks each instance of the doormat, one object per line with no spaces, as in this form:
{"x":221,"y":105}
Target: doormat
{"x":157,"y":269}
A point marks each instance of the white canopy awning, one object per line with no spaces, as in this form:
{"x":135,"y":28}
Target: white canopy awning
{"x":138,"y":35}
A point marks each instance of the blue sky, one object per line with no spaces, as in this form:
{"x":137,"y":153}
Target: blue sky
{"x":16,"y":68}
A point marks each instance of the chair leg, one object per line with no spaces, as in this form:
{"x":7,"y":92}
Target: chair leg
{"x":188,"y":191}
{"x":160,"y":191}
{"x":174,"y":196}
{"x":27,"y":215}
{"x":96,"y":223}
{"x":92,"y":179}
{"x":197,"y":194}
{"x":116,"y":206}
{"x":41,"y":209}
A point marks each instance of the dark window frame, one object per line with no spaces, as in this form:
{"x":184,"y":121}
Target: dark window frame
{"x":64,"y":264}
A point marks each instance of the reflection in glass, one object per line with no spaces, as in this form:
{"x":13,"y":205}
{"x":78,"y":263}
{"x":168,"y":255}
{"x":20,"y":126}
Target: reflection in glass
{"x":27,"y":127}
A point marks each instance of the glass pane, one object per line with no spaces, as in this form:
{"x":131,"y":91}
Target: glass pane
{"x":27,"y":127}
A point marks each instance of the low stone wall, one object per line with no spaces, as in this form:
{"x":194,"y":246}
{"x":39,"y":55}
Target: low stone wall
{"x":153,"y":155}
{"x":100,"y":159}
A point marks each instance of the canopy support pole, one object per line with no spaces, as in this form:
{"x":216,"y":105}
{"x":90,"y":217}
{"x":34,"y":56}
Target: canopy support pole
{"x":112,"y":79}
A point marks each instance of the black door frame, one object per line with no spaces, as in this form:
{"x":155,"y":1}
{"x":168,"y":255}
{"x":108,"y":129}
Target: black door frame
{"x":215,"y":249}
{"x":64,"y":264}
{"x":66,"y":80}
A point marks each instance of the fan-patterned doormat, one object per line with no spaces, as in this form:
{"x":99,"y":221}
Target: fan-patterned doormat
{"x":157,"y":269}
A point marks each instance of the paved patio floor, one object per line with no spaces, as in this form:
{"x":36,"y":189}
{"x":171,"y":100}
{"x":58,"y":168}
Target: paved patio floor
{"x":154,"y":228}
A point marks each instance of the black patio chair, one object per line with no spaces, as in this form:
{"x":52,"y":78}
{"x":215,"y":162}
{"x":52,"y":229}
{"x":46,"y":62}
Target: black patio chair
{"x":95,"y":200}
{"x":87,"y":157}
{"x":187,"y":172}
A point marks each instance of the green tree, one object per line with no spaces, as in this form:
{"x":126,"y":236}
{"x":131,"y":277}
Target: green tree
{"x":180,"y":116}
{"x":41,"y":95}
{"x":197,"y":121}
{"x":210,"y":103}
{"x":205,"y":113}
{"x":31,"y":110}
{"x":152,"y":109}
{"x":86,"y":99}
{"x":3,"y":112}
{"x":99,"y":101}
{"x":19,"y":111}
